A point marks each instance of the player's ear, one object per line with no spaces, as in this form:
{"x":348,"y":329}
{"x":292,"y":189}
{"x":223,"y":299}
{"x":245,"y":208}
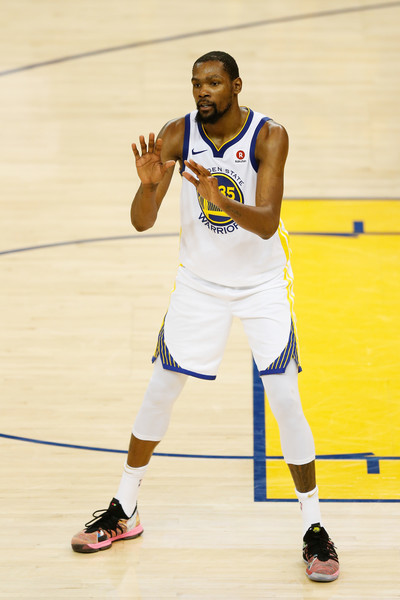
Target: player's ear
{"x":237,"y":85}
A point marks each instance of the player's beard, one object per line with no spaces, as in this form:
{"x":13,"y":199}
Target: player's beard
{"x":214,"y":116}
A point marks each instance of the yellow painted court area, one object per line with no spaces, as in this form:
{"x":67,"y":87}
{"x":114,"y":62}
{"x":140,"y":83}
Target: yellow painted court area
{"x":347,"y":302}
{"x":378,"y":214}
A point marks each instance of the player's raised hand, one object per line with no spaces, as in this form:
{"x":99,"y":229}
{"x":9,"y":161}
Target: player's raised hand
{"x":149,"y":166}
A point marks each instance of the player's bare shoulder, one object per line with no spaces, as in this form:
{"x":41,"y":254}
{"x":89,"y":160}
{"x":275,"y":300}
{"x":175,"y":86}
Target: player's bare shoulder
{"x":272,"y":142}
{"x":172,"y":135}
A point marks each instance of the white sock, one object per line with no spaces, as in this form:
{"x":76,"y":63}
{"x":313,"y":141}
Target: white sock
{"x":309,"y":505}
{"x":129,"y":487}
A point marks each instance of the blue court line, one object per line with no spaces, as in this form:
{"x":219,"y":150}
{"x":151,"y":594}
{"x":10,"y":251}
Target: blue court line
{"x":259,"y":458}
{"x":202,"y":33}
{"x":358,"y":229}
{"x":259,"y":438}
{"x":261,"y":432}
{"x":117,"y":451}
{"x":113,"y":238}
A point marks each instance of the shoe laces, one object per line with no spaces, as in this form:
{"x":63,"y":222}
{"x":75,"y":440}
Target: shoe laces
{"x":106,"y":518}
{"x":319,"y":544}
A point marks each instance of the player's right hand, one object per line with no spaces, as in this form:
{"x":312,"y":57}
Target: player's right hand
{"x":149,"y":166}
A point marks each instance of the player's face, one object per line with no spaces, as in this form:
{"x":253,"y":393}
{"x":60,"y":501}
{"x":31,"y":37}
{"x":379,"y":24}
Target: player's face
{"x":213,"y":91}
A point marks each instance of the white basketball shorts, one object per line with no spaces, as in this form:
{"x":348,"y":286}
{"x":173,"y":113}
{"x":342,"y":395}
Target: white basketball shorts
{"x":196,"y":327}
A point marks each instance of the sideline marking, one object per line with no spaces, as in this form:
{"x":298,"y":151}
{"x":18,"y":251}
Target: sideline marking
{"x":259,"y":438}
{"x":88,"y":241}
{"x":358,"y":229}
{"x":115,"y":450}
{"x":368,"y":456}
{"x":182,"y":36}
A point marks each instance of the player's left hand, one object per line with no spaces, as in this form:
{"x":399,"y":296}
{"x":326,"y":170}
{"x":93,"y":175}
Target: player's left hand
{"x":206,"y":185}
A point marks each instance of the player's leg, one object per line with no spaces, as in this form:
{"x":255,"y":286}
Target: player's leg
{"x":271,"y":333}
{"x":270,"y":329}
{"x":298,"y":450}
{"x":121,"y":519}
{"x":191,"y":341}
{"x":148,"y":430}
{"x":296,"y":437}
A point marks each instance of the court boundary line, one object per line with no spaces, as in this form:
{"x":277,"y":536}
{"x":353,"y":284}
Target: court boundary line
{"x":358,"y":229}
{"x":112,"y":238}
{"x":259,"y":459}
{"x":345,"y":456}
{"x":182,"y":36}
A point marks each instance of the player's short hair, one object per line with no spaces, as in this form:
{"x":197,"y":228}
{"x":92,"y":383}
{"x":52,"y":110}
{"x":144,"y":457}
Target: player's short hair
{"x":229,"y":63}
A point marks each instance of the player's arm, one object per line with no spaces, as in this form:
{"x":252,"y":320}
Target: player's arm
{"x":263,"y":218}
{"x":155,"y":166}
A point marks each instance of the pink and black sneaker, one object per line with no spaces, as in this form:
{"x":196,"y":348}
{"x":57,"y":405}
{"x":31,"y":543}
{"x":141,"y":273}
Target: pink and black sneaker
{"x":108,"y":526}
{"x":320,"y":555}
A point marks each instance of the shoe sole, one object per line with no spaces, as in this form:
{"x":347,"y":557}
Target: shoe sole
{"x":322,"y":578}
{"x":106,"y":544}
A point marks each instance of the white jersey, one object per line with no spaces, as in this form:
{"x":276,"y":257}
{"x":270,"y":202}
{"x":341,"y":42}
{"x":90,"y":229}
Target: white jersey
{"x":212,"y":245}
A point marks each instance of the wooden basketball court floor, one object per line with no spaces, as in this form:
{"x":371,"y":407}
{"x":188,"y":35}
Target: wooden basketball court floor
{"x":83,"y":296}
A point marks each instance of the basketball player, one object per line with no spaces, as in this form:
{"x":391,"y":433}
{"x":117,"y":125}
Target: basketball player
{"x":234,"y":261}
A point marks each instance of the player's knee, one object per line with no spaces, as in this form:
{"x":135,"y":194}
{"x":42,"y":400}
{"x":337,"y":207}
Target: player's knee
{"x":286,"y":407}
{"x":154,"y":414}
{"x":164,"y":386}
{"x":283,"y":395}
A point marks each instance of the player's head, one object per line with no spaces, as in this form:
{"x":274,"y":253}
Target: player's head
{"x":216,"y":85}
{"x":229,"y":63}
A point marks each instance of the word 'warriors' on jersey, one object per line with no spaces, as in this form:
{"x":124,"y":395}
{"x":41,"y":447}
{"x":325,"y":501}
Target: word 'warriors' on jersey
{"x":212,"y":245}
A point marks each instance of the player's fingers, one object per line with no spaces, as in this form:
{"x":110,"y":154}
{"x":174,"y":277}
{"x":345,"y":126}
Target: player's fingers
{"x":143,"y":144}
{"x":151,"y":142}
{"x":193,"y":166}
{"x":190,"y":178}
{"x":135,"y":151}
{"x":198,"y":169}
{"x":167,"y":165}
{"x":158,"y":146}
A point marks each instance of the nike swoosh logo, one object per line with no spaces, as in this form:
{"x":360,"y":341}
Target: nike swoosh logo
{"x":199,"y":151}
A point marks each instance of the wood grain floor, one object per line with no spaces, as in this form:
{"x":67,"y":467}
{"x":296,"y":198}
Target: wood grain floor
{"x":83,"y":297}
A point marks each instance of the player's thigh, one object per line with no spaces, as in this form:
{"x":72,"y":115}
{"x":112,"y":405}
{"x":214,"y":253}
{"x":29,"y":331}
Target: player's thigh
{"x":197,"y":327}
{"x":267,"y":321}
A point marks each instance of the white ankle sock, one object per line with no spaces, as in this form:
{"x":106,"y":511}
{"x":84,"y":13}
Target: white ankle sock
{"x":129,"y":487}
{"x":309,"y":505}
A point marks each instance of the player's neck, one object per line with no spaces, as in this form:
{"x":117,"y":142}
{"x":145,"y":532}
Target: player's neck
{"x":227,"y":127}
